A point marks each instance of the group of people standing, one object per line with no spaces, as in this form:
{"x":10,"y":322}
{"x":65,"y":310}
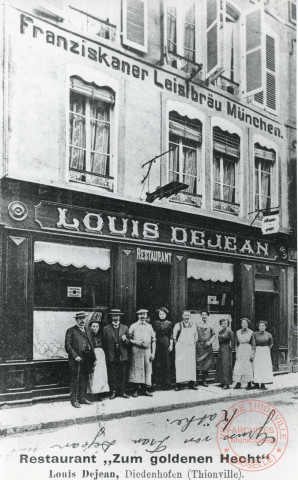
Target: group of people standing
{"x":99,"y":356}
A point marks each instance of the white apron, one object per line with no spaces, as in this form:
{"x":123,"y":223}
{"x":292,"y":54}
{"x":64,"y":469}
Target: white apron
{"x":185,"y":359}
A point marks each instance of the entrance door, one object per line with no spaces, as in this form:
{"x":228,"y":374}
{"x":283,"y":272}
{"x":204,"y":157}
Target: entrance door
{"x":266,"y":309}
{"x":153,"y":287}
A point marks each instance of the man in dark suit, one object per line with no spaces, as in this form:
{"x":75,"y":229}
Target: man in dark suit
{"x":115,"y":344}
{"x":81,"y":360}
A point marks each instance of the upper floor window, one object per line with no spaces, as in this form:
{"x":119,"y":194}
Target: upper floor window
{"x":292,"y":11}
{"x":99,"y":18}
{"x":135,"y":30}
{"x":264,"y":162}
{"x":89,"y":133}
{"x":267,"y":97}
{"x":181,"y":34}
{"x":226,"y":154}
{"x":185,"y":139}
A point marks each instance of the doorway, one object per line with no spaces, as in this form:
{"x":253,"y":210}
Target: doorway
{"x":153,"y":287}
{"x":266,"y":309}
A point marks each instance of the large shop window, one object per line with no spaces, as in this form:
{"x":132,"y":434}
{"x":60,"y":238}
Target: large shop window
{"x":89,"y":133}
{"x":264,"y":163}
{"x":67,"y":278}
{"x":210,"y":285}
{"x":181,"y":34}
{"x":226,"y":155}
{"x":185,"y":139}
{"x":267,"y":97}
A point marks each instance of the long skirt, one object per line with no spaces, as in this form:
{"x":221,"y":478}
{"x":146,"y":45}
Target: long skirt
{"x":243,"y":371}
{"x":224,"y":365}
{"x":98,"y":379}
{"x":263,"y":365}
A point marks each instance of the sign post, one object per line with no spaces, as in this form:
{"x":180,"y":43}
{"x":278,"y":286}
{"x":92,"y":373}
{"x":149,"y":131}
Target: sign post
{"x":270,"y":222}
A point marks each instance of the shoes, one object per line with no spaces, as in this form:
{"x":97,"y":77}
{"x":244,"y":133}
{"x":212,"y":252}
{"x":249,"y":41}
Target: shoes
{"x":177,"y":388}
{"x":76,"y":404}
{"x":86,"y":402}
{"x":256,"y":385}
{"x":193,"y":387}
{"x":263,"y":387}
{"x":124,"y":395}
{"x":204,"y":383}
{"x":249,"y":387}
{"x":113,"y":395}
{"x":135,"y":394}
{"x":225,"y":387}
{"x":238,"y":385}
{"x":145,"y":393}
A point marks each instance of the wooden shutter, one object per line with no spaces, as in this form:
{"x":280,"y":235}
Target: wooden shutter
{"x":185,"y":127}
{"x":227,"y":143}
{"x":135,"y":24}
{"x":270,"y":73}
{"x":213,"y":36}
{"x":106,"y":94}
{"x":253,"y":78}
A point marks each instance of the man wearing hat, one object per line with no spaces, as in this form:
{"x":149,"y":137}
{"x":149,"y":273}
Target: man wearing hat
{"x":81,"y":360}
{"x":115,"y":343}
{"x":142,"y":338}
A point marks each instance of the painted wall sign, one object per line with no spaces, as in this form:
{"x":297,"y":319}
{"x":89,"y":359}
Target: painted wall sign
{"x":155,"y":256}
{"x":58,"y":217}
{"x":73,"y":45}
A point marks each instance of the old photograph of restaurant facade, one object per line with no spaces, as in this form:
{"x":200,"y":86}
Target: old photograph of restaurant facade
{"x":144,"y":145}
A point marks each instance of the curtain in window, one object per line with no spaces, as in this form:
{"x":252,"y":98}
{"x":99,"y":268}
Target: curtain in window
{"x":265,"y":184}
{"x":77,"y":131}
{"x":229,"y":181}
{"x":172,"y":27}
{"x":216,"y":173}
{"x":190,"y":169}
{"x":100,"y":130}
{"x":189,"y":33}
{"x":174,"y":162}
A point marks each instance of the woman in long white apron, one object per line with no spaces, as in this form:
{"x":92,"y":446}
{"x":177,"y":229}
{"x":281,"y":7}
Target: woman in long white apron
{"x":185,"y":337}
{"x":262,"y":361}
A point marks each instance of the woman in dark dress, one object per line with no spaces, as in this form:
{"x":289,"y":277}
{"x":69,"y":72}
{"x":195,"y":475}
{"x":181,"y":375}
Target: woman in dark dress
{"x":162,"y":366}
{"x":98,"y":379}
{"x":224,"y":359}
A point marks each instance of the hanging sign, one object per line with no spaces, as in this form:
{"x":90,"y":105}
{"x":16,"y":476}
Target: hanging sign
{"x":74,"y":292}
{"x":270,"y":222}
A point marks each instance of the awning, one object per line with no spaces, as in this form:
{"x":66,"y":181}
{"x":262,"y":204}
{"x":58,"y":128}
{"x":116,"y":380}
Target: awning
{"x":90,"y":257}
{"x":214,"y":271}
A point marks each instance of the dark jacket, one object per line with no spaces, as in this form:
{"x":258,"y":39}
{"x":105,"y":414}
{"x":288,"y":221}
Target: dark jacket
{"x":109,"y":343}
{"x":78,"y":345}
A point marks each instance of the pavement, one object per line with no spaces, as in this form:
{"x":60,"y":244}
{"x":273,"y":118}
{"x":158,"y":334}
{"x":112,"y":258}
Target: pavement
{"x":52,"y":414}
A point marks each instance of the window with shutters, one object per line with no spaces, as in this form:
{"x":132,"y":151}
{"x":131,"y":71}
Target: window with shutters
{"x":226,"y":155}
{"x":227,"y":65}
{"x":181,"y":35}
{"x":90,"y":111}
{"x":267,"y":98}
{"x":292,"y":12}
{"x":264,"y":164}
{"x":185,"y":139}
{"x":135,"y":30}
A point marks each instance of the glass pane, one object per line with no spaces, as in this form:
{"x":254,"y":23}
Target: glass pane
{"x":216,"y":190}
{"x":77,"y":158}
{"x":77,"y":103}
{"x":100,"y":164}
{"x":172,"y":27}
{"x":100,"y":133}
{"x":190,"y":161}
{"x":257,"y":181}
{"x":229,"y":194}
{"x":191,"y":182}
{"x":229,"y":173}
{"x":99,"y":110}
{"x":77,"y":130}
{"x":174,"y":158}
{"x":216,"y":169}
{"x":173,"y":177}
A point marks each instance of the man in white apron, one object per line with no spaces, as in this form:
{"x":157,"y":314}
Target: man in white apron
{"x":184,"y":338}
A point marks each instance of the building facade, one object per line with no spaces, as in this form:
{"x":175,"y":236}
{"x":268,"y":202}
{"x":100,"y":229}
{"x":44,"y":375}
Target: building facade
{"x":144,"y":144}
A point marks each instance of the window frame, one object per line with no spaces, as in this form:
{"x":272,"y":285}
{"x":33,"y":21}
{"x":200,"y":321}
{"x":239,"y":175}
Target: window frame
{"x":260,"y":171}
{"x":88,"y":77}
{"x":181,"y":173}
{"x":222,"y":158}
{"x":180,"y":21}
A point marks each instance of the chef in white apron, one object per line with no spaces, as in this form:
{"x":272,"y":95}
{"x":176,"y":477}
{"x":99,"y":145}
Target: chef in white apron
{"x":184,"y":339}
